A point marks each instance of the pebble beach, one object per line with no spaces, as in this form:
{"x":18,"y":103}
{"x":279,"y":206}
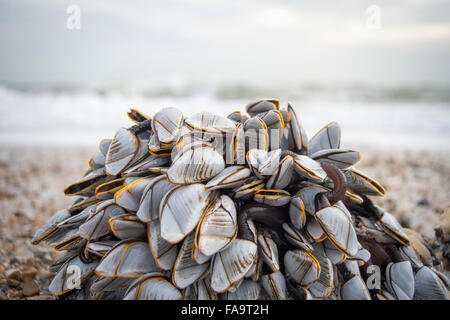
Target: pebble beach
{"x":32,"y":180}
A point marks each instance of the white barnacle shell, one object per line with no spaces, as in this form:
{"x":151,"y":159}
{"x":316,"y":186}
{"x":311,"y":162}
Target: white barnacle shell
{"x":297,"y":212}
{"x":127,"y":226}
{"x":269,"y":251}
{"x":151,"y":198}
{"x":296,"y":237}
{"x":323,"y":287}
{"x":309,"y":168}
{"x":229,"y":266}
{"x":163,"y":252}
{"x":186,"y":270}
{"x":121,"y":152}
{"x":97,"y":224}
{"x":230,"y":177}
{"x":51,"y":226}
{"x":129,"y":196}
{"x":152,"y":286}
{"x":262,"y":162}
{"x":329,"y":137}
{"x":128,"y":259}
{"x":339,"y":228}
{"x":297,"y":135}
{"x":274,"y":198}
{"x":354,"y":289}
{"x":275,"y":286}
{"x":181,"y":209}
{"x":254,"y":108}
{"x":283,"y":175}
{"x":343,"y":159}
{"x":393,"y":228}
{"x":167,"y":124}
{"x":302,"y":267}
{"x":400,"y":280}
{"x":195,"y":164}
{"x":218,"y":227}
{"x":248,"y":290}
{"x":209,"y":123}
{"x":360,"y":182}
{"x":62,"y":283}
{"x":429,"y":286}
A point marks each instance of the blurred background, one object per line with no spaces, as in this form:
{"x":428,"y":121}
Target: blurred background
{"x":70,"y":70}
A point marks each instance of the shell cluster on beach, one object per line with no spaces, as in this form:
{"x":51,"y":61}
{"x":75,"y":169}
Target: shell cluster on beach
{"x":237,"y":207}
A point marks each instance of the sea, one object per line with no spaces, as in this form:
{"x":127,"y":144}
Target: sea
{"x":414,"y":119}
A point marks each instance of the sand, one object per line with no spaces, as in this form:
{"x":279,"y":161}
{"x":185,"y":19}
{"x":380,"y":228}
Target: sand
{"x":32,"y":181}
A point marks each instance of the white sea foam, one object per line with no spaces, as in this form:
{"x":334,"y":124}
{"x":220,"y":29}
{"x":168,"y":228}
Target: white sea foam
{"x":84,"y":118}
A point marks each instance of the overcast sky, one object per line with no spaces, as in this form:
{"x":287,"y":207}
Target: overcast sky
{"x":209,"y":41}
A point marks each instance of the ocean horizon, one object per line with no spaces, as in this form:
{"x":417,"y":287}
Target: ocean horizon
{"x":407,"y":118}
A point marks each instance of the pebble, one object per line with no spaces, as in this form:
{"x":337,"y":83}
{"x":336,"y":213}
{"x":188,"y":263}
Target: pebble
{"x":47,"y":275}
{"x":30,"y":288}
{"x":3,"y":296}
{"x":12,"y":283}
{"x":29,"y":273}
{"x":423,"y":202}
{"x":39,"y":253}
{"x":444,"y":221}
{"x":13,"y":274}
